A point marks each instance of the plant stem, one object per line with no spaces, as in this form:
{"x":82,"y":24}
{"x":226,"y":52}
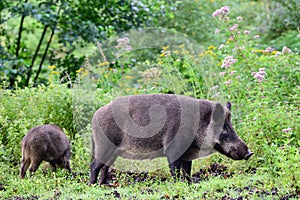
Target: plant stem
{"x":237,"y":45}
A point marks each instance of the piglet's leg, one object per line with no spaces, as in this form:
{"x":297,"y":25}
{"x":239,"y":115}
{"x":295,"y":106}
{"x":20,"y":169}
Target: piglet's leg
{"x":34,"y":166}
{"x":24,"y":167}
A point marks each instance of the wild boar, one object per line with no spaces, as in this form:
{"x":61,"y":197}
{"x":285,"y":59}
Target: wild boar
{"x":45,"y":143}
{"x":178,"y":127}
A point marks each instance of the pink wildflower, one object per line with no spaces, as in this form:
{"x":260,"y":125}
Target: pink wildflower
{"x":256,"y":37}
{"x":217,"y":31}
{"x":216,"y":13}
{"x":228,"y":61}
{"x":239,"y":18}
{"x":233,"y":27}
{"x":286,"y":130}
{"x":232,"y":72}
{"x":222,"y":12}
{"x":286,"y":50}
{"x":269,"y":49}
{"x":260,"y":75}
{"x":123,"y":43}
{"x":246,"y":32}
{"x":262,"y":70}
{"x":228,"y":82}
{"x":225,"y":10}
{"x":222,"y":73}
{"x":221,"y":46}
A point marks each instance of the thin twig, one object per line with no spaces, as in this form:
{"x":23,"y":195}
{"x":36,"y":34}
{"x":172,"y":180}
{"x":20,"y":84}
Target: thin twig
{"x":69,"y":79}
{"x":101,"y":51}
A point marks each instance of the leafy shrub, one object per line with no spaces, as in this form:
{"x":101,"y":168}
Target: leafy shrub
{"x":22,"y":109}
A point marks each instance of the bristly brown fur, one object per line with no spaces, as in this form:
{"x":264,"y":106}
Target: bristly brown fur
{"x":45,"y":143}
{"x":149,"y":126}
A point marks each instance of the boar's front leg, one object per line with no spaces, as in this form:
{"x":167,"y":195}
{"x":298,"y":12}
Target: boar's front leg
{"x":186,"y":167}
{"x":104,"y":175}
{"x":53,"y":165}
{"x":68,"y":166}
{"x":186,"y":170}
{"x":175,"y":169}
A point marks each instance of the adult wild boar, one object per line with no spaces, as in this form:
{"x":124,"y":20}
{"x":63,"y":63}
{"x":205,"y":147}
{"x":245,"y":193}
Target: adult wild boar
{"x":45,"y":143}
{"x":150,"y":126}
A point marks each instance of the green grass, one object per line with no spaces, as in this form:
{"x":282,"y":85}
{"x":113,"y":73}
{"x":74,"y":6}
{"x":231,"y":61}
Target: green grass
{"x":59,"y":185}
{"x":262,"y":112}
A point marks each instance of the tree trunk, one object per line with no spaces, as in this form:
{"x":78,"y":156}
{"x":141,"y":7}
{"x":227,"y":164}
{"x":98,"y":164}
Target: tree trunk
{"x":29,"y":72}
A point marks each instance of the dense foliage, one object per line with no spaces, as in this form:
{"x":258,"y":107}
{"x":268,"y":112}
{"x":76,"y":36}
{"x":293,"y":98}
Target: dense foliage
{"x":226,"y":56}
{"x":36,"y":34}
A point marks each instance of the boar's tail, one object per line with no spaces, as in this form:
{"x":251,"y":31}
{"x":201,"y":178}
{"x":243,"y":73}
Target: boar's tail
{"x":93,"y":148}
{"x":23,"y":152}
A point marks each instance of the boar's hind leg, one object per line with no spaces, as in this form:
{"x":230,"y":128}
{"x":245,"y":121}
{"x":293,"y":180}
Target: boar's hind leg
{"x":95,"y":169}
{"x":35,"y":164}
{"x":53,"y":165}
{"x":186,"y":170}
{"x":24,"y":167}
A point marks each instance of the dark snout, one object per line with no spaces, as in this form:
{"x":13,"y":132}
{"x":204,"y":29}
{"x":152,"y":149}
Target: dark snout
{"x":248,"y":155}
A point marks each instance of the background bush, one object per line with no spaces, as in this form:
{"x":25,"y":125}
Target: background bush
{"x":74,"y":83}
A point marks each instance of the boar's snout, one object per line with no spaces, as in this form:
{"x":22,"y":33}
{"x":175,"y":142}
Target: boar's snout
{"x":240,"y":151}
{"x":236,"y":150}
{"x":248,"y":155}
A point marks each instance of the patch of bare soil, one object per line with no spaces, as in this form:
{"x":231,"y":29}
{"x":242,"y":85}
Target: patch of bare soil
{"x":23,"y":198}
{"x":2,"y":188}
{"x":214,"y":170}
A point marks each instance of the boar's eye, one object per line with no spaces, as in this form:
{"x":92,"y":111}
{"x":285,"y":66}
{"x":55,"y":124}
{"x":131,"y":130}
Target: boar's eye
{"x":224,"y":135}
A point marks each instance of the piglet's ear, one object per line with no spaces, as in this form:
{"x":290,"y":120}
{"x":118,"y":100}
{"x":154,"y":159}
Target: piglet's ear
{"x":228,"y":105}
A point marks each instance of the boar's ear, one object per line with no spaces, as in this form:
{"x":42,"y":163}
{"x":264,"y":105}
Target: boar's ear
{"x":228,"y":105}
{"x":219,"y":113}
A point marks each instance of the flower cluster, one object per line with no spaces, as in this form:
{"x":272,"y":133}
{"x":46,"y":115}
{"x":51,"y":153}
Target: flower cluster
{"x":286,"y":50}
{"x":222,"y":12}
{"x":235,"y":26}
{"x":228,"y":82}
{"x":123,"y":44}
{"x":151,"y":73}
{"x":228,"y":61}
{"x":286,"y":130}
{"x":260,"y":75}
{"x":246,"y":32}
